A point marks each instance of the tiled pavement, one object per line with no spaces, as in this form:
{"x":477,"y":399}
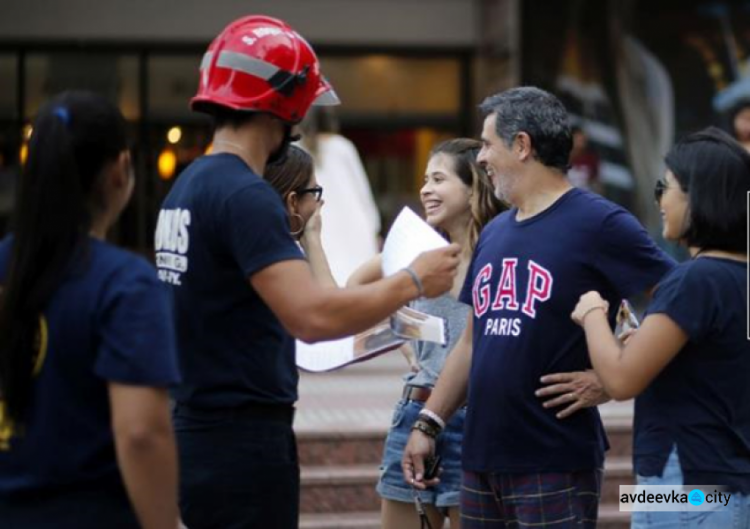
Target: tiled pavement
{"x":361,"y":397}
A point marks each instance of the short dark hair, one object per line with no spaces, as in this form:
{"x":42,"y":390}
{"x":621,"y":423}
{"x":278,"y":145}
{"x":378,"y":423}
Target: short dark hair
{"x":222,"y":117}
{"x":714,"y":170}
{"x":539,"y":114}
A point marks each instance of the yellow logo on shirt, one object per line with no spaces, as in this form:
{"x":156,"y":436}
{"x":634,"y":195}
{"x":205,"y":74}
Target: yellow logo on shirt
{"x":41,"y":341}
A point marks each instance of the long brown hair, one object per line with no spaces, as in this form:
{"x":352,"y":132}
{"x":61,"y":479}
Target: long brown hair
{"x":293,"y":174}
{"x":484,"y":204}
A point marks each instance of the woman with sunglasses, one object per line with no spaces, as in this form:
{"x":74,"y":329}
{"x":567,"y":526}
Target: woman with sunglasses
{"x":688,"y":364}
{"x":294,"y":179}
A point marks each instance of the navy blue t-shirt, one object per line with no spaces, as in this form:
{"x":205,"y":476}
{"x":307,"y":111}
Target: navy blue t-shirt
{"x":108,"y":321}
{"x":524,"y":281}
{"x":220,"y":224}
{"x":700,"y":402}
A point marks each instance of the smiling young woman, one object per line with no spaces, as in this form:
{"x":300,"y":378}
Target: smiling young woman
{"x":688,"y":363}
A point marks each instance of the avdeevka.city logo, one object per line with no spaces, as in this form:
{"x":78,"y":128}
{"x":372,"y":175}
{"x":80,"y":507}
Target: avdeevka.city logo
{"x":696,"y":497}
{"x":672,"y":498}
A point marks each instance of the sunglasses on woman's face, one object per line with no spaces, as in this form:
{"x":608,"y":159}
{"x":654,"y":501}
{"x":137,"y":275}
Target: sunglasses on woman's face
{"x":659,"y":189}
{"x":317,"y":192}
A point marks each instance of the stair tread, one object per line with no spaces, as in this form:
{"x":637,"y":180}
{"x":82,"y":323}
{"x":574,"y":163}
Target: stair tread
{"x":349,"y":520}
{"x":339,"y":475}
{"x":607,"y":512}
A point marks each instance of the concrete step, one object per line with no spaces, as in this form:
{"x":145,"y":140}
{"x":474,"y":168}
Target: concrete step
{"x":617,"y":471}
{"x":609,"y":518}
{"x":342,"y":489}
{"x":350,"y":520}
{"x":360,"y":447}
{"x":339,"y":489}
{"x":340,"y":448}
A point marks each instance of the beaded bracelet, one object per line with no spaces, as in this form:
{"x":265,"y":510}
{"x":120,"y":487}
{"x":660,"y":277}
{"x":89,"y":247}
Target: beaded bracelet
{"x":425,"y":428}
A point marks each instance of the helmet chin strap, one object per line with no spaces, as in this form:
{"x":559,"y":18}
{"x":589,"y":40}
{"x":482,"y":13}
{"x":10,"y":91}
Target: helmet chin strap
{"x":279,"y":155}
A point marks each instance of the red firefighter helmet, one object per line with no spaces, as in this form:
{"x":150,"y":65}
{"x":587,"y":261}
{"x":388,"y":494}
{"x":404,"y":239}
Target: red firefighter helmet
{"x":260,"y":64}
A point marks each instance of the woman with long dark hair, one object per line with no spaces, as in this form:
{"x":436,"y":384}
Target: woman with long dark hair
{"x":86,"y":341}
{"x":688,"y":364}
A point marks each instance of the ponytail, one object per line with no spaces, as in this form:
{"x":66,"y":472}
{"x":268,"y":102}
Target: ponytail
{"x":74,"y":136}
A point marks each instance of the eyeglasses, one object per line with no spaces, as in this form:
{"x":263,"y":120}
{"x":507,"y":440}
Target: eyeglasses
{"x":317,"y":192}
{"x":659,"y":189}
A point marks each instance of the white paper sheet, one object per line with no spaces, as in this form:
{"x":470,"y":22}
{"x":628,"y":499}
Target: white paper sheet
{"x":408,"y":237}
{"x":403,"y":325}
{"x":324,"y":356}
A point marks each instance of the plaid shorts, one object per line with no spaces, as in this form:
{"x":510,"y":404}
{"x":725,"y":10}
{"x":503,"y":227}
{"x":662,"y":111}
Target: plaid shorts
{"x":510,"y":501}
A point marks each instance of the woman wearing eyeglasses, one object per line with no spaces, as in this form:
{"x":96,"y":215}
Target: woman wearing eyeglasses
{"x":688,"y":364}
{"x":294,"y":179}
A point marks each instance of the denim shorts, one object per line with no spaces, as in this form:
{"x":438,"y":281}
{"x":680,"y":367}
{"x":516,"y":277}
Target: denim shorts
{"x":392,"y":485}
{"x":736,"y":515}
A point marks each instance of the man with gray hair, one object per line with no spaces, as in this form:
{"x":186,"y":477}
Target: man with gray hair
{"x":522,"y":463}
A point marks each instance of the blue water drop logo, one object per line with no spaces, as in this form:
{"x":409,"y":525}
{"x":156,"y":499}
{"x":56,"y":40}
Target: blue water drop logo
{"x":696,"y":497}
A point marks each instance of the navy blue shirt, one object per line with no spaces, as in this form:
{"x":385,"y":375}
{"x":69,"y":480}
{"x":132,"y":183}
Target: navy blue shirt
{"x":523,"y":283}
{"x":107,"y":322}
{"x":700,"y":402}
{"x":220,"y":224}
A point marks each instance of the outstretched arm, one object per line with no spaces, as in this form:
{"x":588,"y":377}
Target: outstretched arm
{"x":313,"y":313}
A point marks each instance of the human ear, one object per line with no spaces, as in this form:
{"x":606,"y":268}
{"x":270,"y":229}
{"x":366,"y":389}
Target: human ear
{"x":522,"y":146}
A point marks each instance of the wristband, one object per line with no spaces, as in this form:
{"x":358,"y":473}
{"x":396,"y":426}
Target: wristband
{"x":434,"y":416}
{"x":414,"y":277}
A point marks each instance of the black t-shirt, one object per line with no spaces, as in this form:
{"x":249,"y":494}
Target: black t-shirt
{"x":524,"y":281}
{"x":220,"y":224}
{"x":108,"y":321}
{"x":701,"y":401}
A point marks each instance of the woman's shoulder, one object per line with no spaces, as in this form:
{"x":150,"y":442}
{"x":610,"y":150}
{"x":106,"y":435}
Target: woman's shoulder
{"x":701,"y":274}
{"x":113,"y":261}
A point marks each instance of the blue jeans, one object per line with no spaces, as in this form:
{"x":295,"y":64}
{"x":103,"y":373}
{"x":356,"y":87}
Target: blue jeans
{"x":392,"y":485}
{"x":237,"y":471}
{"x":736,"y":515}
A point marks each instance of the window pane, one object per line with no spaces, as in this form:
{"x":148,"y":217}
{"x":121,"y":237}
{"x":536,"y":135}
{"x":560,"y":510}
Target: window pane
{"x":9,"y":92}
{"x":111,"y":75}
{"x":381,"y":84}
{"x":173,"y":81}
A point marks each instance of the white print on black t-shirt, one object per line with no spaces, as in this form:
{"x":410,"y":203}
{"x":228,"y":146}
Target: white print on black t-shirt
{"x":503,"y":327}
{"x":171,"y":242}
{"x":538,"y":290}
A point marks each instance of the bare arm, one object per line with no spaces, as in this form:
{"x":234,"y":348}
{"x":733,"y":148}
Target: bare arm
{"x":449,"y":394}
{"x":146,"y":452}
{"x":313,"y":246}
{"x":369,"y":272}
{"x":626,"y":371}
{"x":312,"y":313}
{"x":451,"y":388}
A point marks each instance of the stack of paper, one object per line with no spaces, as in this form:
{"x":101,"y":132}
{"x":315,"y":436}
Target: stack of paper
{"x":408,"y":237}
